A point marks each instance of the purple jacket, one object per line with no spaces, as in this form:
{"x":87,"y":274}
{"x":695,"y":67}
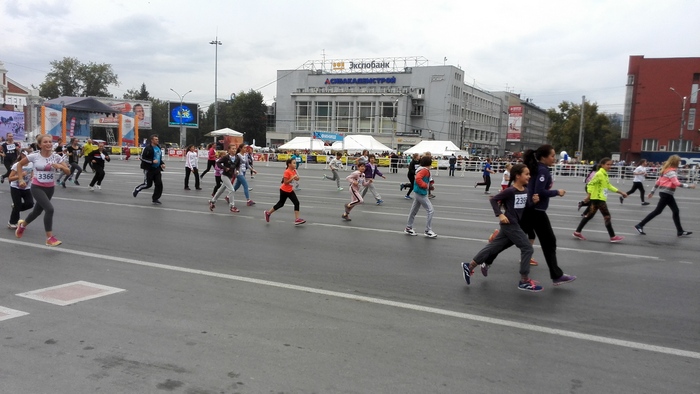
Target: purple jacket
{"x":372,"y":170}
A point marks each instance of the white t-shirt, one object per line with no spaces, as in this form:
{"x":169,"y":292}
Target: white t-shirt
{"x":640,"y":177}
{"x":27,"y":171}
{"x":192,"y":159}
{"x":506,"y":177}
{"x":44,"y":173}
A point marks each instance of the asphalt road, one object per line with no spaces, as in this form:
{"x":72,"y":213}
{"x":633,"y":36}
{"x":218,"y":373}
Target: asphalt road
{"x":226,"y":303}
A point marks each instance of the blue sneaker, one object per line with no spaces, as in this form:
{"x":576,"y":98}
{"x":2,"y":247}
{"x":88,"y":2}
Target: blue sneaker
{"x":467,"y":273}
{"x":408,"y":197}
{"x":529,"y":285}
{"x":380,"y":202}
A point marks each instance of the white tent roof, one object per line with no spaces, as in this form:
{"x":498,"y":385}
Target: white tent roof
{"x":436,"y":148}
{"x":358,"y":143}
{"x":224,"y":131}
{"x":302,"y":143}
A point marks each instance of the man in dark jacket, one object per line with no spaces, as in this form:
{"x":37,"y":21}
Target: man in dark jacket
{"x":152,"y":166}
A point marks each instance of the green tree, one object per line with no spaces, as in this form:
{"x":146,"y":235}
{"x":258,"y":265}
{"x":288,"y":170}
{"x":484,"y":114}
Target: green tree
{"x":138,"y":94}
{"x":248,"y":116}
{"x":70,"y":77}
{"x":601,"y":137}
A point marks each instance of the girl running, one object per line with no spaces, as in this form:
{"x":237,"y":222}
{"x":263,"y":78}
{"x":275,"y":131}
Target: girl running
{"x":211,"y":159}
{"x":597,"y":193}
{"x":21,"y":197}
{"x":667,"y":184}
{"x":287,"y":192}
{"x":242,"y":165}
{"x":487,"y":176}
{"x":356,"y":179}
{"x":97,"y":160}
{"x":217,"y":173}
{"x":335,"y":164}
{"x":508,"y":206}
{"x":586,"y":202}
{"x":640,"y":174}
{"x":505,"y":182}
{"x":45,"y":163}
{"x":228,"y":167}
{"x":421,"y":187}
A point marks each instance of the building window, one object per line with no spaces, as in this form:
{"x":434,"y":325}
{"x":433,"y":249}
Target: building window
{"x":303,"y":116}
{"x":650,"y":145}
{"x":387,"y":120}
{"x":323,"y":115}
{"x":344,"y":115}
{"x":366,"y":120}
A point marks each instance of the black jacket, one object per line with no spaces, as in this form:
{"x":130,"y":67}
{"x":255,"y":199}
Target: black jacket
{"x":147,"y":157}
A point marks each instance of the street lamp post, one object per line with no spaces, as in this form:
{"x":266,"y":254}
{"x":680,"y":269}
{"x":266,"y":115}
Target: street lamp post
{"x":179,"y":116}
{"x":683,"y":100}
{"x":216,"y":44}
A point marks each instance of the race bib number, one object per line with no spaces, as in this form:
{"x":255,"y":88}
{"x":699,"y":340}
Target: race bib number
{"x":520,"y":201}
{"x":44,"y":176}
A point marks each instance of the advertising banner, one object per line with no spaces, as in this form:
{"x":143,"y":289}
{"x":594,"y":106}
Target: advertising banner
{"x":327,"y":136}
{"x":515,"y":121}
{"x":126,"y":130}
{"x":141,"y":110}
{"x":186,"y":115}
{"x":51,"y":122}
{"x":12,"y":122}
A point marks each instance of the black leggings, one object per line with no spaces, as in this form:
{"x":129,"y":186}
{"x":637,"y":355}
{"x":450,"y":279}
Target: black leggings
{"x":665,"y":199}
{"x":602,"y":206}
{"x":283,"y":198}
{"x":537,"y":222}
{"x":486,"y":182}
{"x":637,"y":186}
{"x":210,"y":164}
{"x":42,"y":195}
{"x":21,"y":201}
{"x":99,"y":175}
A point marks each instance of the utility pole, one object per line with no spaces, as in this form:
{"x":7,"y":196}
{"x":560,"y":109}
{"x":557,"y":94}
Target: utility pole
{"x":580,"y":133}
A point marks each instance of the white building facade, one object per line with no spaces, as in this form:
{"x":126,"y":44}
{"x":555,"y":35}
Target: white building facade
{"x":398,"y":101}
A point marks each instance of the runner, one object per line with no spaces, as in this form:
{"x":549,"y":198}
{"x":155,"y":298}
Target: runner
{"x":226,"y":163}
{"x":21,"y":196}
{"x":356,"y":179}
{"x":640,"y":174}
{"x":9,"y":153}
{"x":421,"y":187}
{"x":98,"y":158}
{"x":371,"y":171}
{"x":287,"y":192}
{"x":152,"y":165}
{"x":74,"y":152}
{"x":335,"y":164}
{"x":513,"y":201}
{"x":45,"y":163}
{"x":211,"y":159}
{"x":242,"y":163}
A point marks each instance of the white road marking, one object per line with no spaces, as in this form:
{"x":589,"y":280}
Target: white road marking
{"x":379,"y":301}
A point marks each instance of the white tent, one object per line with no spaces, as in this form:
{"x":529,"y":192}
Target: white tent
{"x":302,"y":143}
{"x":224,"y":131}
{"x":358,"y":143}
{"x":436,"y":148}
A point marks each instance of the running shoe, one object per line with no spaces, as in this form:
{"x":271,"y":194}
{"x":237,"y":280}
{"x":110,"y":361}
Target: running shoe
{"x":467,"y":274}
{"x":639,"y":229}
{"x":299,"y":221}
{"x":212,"y":206}
{"x":617,"y":238}
{"x":92,"y":189}
{"x":76,"y":182}
{"x":430,"y":234}
{"x":645,"y":203}
{"x":346,"y":217}
{"x":401,"y":187}
{"x":534,"y":263}
{"x":431,"y":196}
{"x":493,"y":235}
{"x":156,"y":202}
{"x":579,"y":236}
{"x":563,"y":279}
{"x":21,"y":225}
{"x":684,"y":233}
{"x":410,"y":231}
{"x":198,"y":188}
{"x":380,"y":202}
{"x":487,"y":192}
{"x":267,"y":216}
{"x":580,"y":204}
{"x":408,"y":197}
{"x":234,"y":209}
{"x":250,"y":189}
{"x":99,"y":187}
{"x":227,"y":200}
{"x":52,"y":241}
{"x":187,"y":188}
{"x":63,"y":184}
{"x":12,"y":226}
{"x":485,"y":269}
{"x":135,"y":192}
{"x":250,"y":203}
{"x":529,"y":285}
{"x":324,"y":176}
{"x":340,"y":188}
{"x":622,"y":200}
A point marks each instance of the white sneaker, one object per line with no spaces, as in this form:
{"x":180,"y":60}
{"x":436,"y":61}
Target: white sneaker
{"x":92,"y":189}
{"x":430,"y":234}
{"x":410,"y":231}
{"x":99,"y":187}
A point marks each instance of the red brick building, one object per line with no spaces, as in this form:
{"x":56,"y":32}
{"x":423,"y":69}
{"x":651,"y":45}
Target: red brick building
{"x":660,"y":108}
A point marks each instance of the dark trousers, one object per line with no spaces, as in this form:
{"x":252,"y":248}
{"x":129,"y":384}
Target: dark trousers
{"x":8,"y":164}
{"x":597,"y":205}
{"x":21,"y":201}
{"x":412,"y":180}
{"x":283,"y":198}
{"x":189,"y":171}
{"x":99,"y":175}
{"x":486,"y":182}
{"x":150,"y":177}
{"x":637,"y":186}
{"x":87,"y":162}
{"x":536,"y":222}
{"x":210,"y":164}
{"x":218,"y":180}
{"x":665,"y":199}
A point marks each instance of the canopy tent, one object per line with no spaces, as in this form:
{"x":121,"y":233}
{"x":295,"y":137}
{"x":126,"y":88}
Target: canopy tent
{"x":436,"y":148}
{"x":86,"y":104}
{"x":357,"y":143}
{"x":224,"y":132}
{"x":302,"y":143}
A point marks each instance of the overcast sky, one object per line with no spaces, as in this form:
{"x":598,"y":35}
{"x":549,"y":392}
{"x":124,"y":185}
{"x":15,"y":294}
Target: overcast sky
{"x":549,"y":51}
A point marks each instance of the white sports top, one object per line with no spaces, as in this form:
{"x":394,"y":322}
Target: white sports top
{"x":43,"y":172}
{"x":27,"y":170}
